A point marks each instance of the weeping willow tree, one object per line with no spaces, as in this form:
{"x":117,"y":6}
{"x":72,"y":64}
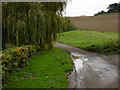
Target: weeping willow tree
{"x":32,"y":23}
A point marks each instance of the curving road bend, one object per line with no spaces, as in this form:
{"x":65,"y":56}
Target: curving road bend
{"x":90,"y":70}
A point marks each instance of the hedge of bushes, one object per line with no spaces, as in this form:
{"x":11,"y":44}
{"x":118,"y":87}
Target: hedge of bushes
{"x":112,"y":47}
{"x":14,"y":58}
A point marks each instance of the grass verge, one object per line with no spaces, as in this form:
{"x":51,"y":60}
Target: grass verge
{"x":96,"y":41}
{"x":46,"y":69}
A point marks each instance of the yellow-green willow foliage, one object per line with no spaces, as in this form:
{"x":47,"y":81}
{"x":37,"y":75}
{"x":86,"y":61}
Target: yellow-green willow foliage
{"x":32,"y":23}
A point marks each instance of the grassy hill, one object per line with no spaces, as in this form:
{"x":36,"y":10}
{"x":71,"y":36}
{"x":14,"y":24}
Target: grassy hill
{"x":101,"y":42}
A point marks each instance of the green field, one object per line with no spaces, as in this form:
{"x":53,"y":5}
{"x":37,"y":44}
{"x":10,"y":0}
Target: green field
{"x":96,"y":41}
{"x":46,"y":69}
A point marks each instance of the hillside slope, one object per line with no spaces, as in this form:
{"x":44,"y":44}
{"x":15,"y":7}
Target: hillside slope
{"x":107,"y":23}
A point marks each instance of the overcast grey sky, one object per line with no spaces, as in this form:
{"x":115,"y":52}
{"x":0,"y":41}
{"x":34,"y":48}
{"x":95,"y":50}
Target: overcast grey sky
{"x":87,"y":7}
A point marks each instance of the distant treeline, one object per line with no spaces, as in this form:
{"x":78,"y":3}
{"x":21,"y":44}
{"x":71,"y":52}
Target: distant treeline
{"x":112,"y":8}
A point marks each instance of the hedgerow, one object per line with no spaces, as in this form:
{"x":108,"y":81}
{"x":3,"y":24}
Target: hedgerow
{"x":15,"y":58}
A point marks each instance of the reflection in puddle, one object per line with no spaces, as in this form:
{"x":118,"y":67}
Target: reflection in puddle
{"x":78,"y":60}
{"x":78,"y":64}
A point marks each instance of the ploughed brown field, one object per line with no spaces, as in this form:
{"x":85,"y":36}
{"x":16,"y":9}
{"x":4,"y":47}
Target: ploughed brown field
{"x":108,"y":23}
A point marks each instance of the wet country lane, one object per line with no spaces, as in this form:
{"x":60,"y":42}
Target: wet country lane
{"x":90,"y":70}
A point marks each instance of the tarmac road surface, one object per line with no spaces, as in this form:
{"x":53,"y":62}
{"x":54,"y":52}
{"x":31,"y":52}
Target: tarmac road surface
{"x":94,"y":73}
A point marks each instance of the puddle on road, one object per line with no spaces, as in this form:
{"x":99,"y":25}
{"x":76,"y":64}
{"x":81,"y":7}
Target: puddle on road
{"x":78,"y":60}
{"x":105,"y":76}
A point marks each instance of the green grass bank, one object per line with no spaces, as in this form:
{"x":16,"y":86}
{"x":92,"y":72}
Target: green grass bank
{"x":46,"y":69}
{"x":95,"y":41}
